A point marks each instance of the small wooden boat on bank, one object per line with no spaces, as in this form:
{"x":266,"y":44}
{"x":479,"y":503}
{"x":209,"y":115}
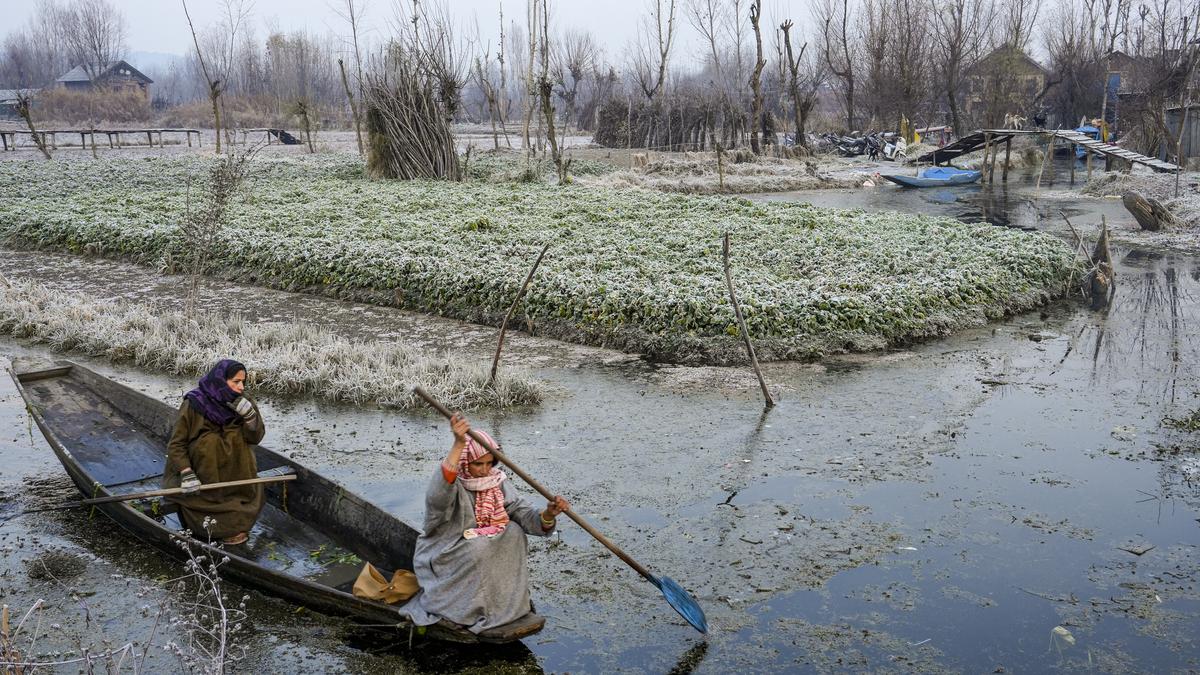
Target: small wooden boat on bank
{"x":938,"y":176}
{"x":307,"y":546}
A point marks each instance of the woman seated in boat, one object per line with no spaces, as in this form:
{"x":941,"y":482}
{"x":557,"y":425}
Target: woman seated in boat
{"x":471,"y":561}
{"x":217,"y":424}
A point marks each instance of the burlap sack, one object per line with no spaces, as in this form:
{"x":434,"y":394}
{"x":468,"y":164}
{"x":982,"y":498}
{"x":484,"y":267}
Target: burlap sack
{"x":372,"y":586}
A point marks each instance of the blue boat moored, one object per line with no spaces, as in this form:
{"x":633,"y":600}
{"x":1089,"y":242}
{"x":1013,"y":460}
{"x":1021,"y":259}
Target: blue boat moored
{"x":937,"y":176}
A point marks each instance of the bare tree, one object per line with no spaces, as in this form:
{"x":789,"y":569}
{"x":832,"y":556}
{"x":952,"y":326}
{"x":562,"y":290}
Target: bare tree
{"x":653,"y":51}
{"x":907,"y":61}
{"x":577,"y":55}
{"x":545,"y":87}
{"x":735,"y":26}
{"x":805,"y":78}
{"x":351,"y":11}
{"x":35,"y":56}
{"x":876,"y":38}
{"x":836,"y":46}
{"x":430,"y":36}
{"x":703,"y":15}
{"x":353,"y":107}
{"x":959,"y":33}
{"x":531,"y":89}
{"x":93,"y":33}
{"x":215,"y":86}
{"x":757,"y":122}
{"x":483,"y":79}
{"x":1017,"y":19}
{"x":25,"y":111}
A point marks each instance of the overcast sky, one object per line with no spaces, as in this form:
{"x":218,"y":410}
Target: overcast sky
{"x":160,"y":26}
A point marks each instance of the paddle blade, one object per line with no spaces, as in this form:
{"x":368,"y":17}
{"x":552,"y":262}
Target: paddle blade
{"x":683,"y":602}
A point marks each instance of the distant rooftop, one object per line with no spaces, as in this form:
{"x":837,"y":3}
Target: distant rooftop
{"x":10,"y":95}
{"x":79,"y":74}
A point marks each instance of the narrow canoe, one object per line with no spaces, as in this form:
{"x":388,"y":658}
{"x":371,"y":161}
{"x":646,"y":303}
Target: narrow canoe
{"x":307,"y":545}
{"x":938,"y":176}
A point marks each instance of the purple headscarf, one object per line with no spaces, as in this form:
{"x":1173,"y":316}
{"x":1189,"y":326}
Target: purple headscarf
{"x":210,"y":398}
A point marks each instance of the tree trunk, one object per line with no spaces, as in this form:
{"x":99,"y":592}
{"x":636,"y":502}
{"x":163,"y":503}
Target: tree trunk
{"x":756,"y":81}
{"x":213,"y":95}
{"x":354,"y":109}
{"x":25,"y":110}
{"x":1150,"y":213}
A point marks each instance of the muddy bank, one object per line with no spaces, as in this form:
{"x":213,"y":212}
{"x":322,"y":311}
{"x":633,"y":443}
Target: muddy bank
{"x":1185,"y":206}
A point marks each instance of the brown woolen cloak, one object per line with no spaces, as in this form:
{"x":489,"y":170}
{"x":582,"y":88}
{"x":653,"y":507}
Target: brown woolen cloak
{"x":216,"y":454}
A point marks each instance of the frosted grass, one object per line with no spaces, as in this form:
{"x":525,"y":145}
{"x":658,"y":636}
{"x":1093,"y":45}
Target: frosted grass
{"x":286,"y":358}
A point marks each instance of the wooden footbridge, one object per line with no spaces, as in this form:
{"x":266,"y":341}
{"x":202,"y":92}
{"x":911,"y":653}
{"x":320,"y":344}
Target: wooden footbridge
{"x":117,"y":138}
{"x":990,"y":140}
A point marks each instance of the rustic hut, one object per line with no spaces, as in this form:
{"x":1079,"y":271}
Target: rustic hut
{"x":116,"y":75}
{"x":1190,"y":150}
{"x":1005,"y":81}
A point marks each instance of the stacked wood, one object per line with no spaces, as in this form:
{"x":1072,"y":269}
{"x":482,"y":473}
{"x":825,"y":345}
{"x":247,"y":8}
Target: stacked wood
{"x":676,"y":122}
{"x":408,"y":128}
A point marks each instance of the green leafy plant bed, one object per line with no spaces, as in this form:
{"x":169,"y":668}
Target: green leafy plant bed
{"x":632,"y":269}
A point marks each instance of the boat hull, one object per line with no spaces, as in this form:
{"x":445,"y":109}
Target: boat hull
{"x":91,"y":421}
{"x":937,"y":179}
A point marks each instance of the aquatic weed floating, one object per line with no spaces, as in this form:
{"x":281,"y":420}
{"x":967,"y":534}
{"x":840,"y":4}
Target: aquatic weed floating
{"x":634,"y":270}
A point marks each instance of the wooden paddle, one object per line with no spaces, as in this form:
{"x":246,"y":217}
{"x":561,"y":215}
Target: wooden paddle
{"x":276,"y":475}
{"x":678,"y":598}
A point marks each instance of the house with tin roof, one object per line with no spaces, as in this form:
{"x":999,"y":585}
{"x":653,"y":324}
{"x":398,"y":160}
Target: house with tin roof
{"x":115,"y":75}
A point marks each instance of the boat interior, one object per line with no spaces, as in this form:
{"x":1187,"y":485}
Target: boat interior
{"x":118,"y":437}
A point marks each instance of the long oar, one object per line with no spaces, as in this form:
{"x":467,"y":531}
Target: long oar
{"x":678,"y":598}
{"x":276,"y":475}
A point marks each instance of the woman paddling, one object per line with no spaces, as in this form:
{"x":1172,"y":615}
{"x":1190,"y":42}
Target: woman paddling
{"x":211,"y":444}
{"x":471,"y":561}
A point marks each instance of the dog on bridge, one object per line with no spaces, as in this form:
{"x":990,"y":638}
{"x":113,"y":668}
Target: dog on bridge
{"x":1013,"y":121}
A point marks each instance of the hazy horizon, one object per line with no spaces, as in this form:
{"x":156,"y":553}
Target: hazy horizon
{"x":161,"y":27}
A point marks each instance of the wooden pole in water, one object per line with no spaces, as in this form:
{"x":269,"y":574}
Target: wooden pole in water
{"x":768,"y":401}
{"x":1073,"y":151}
{"x":1050,"y":168}
{"x":992,"y":166}
{"x":1045,"y":158}
{"x":987,"y":146}
{"x":1089,"y":166}
{"x":1007,"y":155}
{"x":512,"y":308}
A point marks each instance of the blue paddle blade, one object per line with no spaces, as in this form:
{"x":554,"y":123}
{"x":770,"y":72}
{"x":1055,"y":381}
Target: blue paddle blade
{"x":683,"y":602}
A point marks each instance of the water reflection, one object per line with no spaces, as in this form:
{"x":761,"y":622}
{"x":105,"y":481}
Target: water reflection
{"x":691,"y":659}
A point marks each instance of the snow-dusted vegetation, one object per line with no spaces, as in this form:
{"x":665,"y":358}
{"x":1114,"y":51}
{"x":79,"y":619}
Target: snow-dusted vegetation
{"x":633,"y":269}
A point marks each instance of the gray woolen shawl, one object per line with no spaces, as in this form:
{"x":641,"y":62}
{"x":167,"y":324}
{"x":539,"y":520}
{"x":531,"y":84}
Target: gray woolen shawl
{"x":479,"y":583}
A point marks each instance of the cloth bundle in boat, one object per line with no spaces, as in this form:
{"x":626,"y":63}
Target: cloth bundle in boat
{"x":372,"y":586}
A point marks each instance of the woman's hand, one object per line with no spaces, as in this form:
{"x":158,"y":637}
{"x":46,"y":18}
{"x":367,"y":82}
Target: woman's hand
{"x":553,"y":508}
{"x":459,"y":427}
{"x":242,"y":406}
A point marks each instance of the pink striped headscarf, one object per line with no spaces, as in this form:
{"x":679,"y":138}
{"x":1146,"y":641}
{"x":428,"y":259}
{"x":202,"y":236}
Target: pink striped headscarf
{"x":490,"y":516}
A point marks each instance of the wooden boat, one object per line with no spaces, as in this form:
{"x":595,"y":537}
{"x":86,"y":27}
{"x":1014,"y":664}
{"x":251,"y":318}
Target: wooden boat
{"x":307,"y":546}
{"x":938,"y":176}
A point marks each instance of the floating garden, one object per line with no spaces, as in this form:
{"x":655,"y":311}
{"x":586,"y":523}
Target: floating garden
{"x":631,"y":269}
